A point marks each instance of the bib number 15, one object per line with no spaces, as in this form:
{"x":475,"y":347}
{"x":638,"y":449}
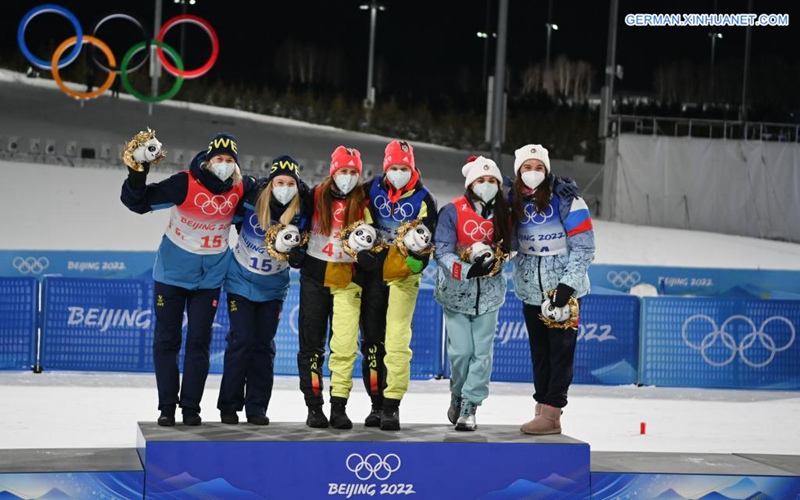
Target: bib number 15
{"x":215,"y":242}
{"x":263,"y":265}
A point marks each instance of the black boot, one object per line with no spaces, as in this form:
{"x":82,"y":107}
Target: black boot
{"x":339,"y":418}
{"x":374,"y":417}
{"x":167,"y":417}
{"x":390,"y":415}
{"x":229,"y":418}
{"x":316,"y":417}
{"x":258,"y":420}
{"x":191,"y":417}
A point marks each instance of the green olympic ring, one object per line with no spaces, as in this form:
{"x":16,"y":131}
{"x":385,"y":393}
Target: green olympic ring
{"x":127,"y":84}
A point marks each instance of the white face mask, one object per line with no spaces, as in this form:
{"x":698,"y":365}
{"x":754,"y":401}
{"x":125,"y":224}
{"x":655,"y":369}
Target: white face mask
{"x":223,"y":170}
{"x":532,"y":178}
{"x":284,"y":194}
{"x":398,"y":178}
{"x":345,"y":182}
{"x":486,"y":191}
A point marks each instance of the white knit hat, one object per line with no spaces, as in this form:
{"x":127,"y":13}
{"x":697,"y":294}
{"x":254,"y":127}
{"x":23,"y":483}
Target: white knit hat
{"x":531,"y":152}
{"x":478,"y":167}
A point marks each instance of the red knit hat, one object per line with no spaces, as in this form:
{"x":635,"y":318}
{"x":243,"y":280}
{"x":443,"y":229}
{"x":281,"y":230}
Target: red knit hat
{"x":345,"y":157}
{"x":398,"y":153}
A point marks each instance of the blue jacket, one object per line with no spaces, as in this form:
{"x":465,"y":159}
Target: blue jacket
{"x":474,"y":296}
{"x":174,"y":265}
{"x":242,"y":281}
{"x":571,"y":219}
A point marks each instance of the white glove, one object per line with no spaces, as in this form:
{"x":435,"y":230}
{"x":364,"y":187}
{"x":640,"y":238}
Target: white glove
{"x":147,"y":152}
{"x":287,"y":238}
{"x":481,"y":252}
{"x":418,"y":239}
{"x":362,"y":238}
{"x":553,"y":313}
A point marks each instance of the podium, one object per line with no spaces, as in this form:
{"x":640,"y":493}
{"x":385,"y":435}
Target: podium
{"x":424,"y":461}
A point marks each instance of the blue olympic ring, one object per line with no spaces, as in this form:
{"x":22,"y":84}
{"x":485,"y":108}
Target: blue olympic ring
{"x":56,"y":9}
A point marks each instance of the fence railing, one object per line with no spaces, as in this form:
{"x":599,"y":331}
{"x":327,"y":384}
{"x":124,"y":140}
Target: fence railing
{"x":704,"y":128}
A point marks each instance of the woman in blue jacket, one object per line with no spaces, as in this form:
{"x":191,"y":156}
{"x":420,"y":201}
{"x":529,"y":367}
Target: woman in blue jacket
{"x":471,"y":291}
{"x":256,"y":285}
{"x":191,"y":262}
{"x":555,"y":245}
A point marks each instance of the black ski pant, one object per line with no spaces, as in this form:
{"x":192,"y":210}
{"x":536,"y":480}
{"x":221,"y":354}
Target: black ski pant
{"x":249,"y":369}
{"x":374,"y":302}
{"x":201,"y":307}
{"x":553,"y":357}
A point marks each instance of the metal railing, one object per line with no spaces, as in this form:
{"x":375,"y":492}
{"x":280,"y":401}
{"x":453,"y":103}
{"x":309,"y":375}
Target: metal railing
{"x":704,"y":128}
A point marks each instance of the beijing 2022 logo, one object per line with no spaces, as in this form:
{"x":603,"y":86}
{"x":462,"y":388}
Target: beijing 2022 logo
{"x":757,"y":346}
{"x":367,"y":469}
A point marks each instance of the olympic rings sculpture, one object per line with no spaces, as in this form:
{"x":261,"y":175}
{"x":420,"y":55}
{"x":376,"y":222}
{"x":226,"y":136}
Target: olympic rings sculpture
{"x":175,"y":68}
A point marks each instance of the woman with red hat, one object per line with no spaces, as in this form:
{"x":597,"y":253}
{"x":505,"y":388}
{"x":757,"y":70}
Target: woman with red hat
{"x":391,"y":279}
{"x":327,"y":290}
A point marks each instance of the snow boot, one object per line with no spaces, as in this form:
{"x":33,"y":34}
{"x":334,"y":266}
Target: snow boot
{"x":547,"y":422}
{"x":339,"y":418}
{"x":454,"y":409}
{"x":316,"y":417}
{"x":466,"y":419}
{"x":390,"y":415}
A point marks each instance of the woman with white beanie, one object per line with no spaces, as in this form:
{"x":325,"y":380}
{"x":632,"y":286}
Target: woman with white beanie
{"x":554,"y":240}
{"x":470,"y":284}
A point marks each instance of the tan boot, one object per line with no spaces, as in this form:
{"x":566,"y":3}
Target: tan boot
{"x":536,"y":412}
{"x":548,"y":421}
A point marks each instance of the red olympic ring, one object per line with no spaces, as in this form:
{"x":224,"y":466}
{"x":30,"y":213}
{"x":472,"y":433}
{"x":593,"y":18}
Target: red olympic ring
{"x":202,"y":70}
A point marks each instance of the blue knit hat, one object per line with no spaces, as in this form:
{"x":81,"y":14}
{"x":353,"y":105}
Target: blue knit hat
{"x":284,"y":165}
{"x":223,"y":144}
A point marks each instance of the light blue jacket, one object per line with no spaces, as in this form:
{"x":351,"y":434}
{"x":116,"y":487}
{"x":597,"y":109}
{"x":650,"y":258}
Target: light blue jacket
{"x":532,"y":273}
{"x":474,"y":296}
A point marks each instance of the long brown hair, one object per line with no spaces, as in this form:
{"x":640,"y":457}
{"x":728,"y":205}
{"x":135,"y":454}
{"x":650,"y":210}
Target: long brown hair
{"x":541,"y":197}
{"x":263,"y":211}
{"x":354,"y":208}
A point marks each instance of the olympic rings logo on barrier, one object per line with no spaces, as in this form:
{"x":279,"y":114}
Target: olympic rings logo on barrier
{"x":30,"y":265}
{"x":727,"y":341}
{"x":623,"y":279}
{"x":76,"y":42}
{"x":373,"y":465}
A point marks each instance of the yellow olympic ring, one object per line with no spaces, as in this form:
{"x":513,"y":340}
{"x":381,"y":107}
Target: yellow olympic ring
{"x":69,"y":42}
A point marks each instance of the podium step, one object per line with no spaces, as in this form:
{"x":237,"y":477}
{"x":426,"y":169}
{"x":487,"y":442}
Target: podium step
{"x":290,"y":460}
{"x":71,"y":473}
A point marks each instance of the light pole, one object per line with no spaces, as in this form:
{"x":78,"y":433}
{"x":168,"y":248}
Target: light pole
{"x":550,"y":28}
{"x":373,"y":8}
{"x":485,"y":35}
{"x":714,"y":36}
{"x":183,"y":4}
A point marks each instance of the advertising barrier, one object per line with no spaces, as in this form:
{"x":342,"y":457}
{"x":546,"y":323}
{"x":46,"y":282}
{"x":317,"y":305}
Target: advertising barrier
{"x":720,"y":343}
{"x":19,"y":301}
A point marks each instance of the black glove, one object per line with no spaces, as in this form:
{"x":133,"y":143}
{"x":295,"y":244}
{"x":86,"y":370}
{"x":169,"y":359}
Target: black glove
{"x":562,"y":295}
{"x":138,"y":180}
{"x":296,"y":257}
{"x":481,"y":267}
{"x":367,"y":260}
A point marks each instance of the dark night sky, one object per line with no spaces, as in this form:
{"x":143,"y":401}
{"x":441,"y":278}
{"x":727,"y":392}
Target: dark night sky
{"x":423,"y":43}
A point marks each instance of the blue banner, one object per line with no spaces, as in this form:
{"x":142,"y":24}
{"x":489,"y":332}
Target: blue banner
{"x":319,"y":465}
{"x":607,"y":347}
{"x":721,"y":343}
{"x":77,"y":264}
{"x":613,"y":486}
{"x":745,"y":283}
{"x":108,"y":324}
{"x":19,"y":309}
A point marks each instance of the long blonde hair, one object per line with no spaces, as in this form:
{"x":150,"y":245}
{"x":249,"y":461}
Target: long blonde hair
{"x":263,"y":211}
